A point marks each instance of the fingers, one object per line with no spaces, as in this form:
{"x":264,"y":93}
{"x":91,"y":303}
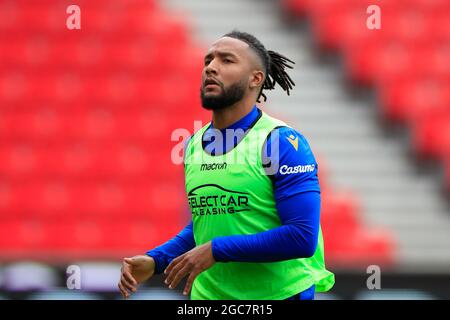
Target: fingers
{"x":189,"y":282}
{"x":129,"y":278}
{"x":126,"y":284}
{"x":127,"y":274}
{"x":174,"y":271}
{"x":178,"y":275}
{"x":173,"y":264}
{"x":125,"y":287}
{"x":123,"y":291}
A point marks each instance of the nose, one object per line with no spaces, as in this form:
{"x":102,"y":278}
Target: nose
{"x":211,"y":68}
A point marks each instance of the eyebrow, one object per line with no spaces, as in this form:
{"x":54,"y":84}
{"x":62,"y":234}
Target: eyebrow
{"x":222,"y":54}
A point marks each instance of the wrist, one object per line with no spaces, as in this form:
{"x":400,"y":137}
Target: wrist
{"x":216,"y":250}
{"x":156,"y":263}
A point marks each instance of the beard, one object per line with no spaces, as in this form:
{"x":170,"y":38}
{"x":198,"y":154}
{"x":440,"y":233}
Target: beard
{"x":228,"y":97}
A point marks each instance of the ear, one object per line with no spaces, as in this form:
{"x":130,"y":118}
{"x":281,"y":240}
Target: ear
{"x":256,"y":79}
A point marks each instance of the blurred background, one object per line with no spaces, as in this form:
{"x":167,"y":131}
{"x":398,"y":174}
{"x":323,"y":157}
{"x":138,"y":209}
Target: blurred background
{"x":86,"y":117}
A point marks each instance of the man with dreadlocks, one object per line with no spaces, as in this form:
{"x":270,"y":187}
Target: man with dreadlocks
{"x":255,"y":230}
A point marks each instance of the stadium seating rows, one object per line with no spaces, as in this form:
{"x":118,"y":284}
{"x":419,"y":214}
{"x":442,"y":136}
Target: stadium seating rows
{"x":86,"y":118}
{"x":406,"y":61}
{"x":349,"y":241}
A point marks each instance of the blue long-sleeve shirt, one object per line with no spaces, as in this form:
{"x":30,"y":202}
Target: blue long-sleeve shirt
{"x":297,"y":198}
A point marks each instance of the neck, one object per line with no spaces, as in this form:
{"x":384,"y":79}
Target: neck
{"x":224,"y":118}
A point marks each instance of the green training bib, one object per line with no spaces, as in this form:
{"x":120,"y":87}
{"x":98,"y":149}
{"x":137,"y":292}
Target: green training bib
{"x":231,"y":194}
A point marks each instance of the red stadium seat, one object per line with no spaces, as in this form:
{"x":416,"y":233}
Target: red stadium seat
{"x":431,"y":133}
{"x":364,"y":247}
{"x":402,"y":98}
{"x":408,"y":24}
{"x":20,"y":237}
{"x":340,"y":213}
{"x":339,"y":23}
{"x":348,"y":240}
{"x":370,"y":61}
{"x":440,"y":25}
{"x":298,"y":8}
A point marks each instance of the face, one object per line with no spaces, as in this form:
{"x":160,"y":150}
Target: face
{"x":228,"y":73}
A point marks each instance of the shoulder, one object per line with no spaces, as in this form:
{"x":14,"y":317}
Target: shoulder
{"x":290,"y":163}
{"x":288,"y":145}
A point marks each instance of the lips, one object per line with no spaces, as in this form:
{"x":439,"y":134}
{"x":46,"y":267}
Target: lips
{"x":211,"y":81}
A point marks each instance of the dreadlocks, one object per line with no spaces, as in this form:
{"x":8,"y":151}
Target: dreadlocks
{"x":274,"y":64}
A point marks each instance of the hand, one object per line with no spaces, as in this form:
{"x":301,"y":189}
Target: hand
{"x":191,"y":263}
{"x":134,"y":271}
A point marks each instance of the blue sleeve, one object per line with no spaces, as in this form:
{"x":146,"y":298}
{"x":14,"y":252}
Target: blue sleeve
{"x":292,"y":167}
{"x":296,"y":238}
{"x":290,"y":163}
{"x":180,"y":244}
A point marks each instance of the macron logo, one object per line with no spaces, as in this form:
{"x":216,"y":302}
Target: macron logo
{"x":294,"y":141}
{"x":213,"y":166}
{"x":298,"y":169}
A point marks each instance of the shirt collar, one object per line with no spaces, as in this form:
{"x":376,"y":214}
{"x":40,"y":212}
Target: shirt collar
{"x":244,"y":122}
